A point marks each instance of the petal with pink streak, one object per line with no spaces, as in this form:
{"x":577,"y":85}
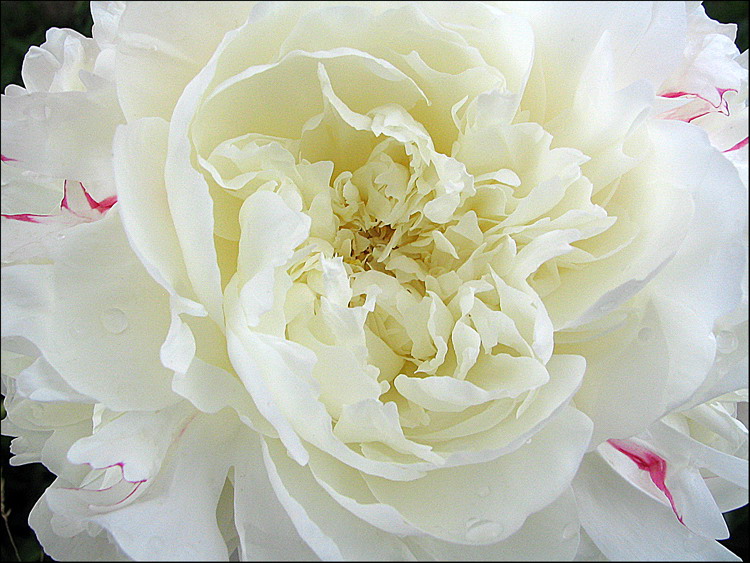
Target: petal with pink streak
{"x":25,"y":235}
{"x":647,"y":460}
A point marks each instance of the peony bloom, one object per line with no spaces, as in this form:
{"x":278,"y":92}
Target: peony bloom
{"x":379,"y":281}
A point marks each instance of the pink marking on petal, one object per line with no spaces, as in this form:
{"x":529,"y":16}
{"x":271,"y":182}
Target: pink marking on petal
{"x":646,"y":460}
{"x":121,"y":465}
{"x":4,"y":158}
{"x":107,"y":203}
{"x":136,"y":484}
{"x":93,"y":204}
{"x":738,"y":146}
{"x":690,"y":119}
{"x":64,"y":202}
{"x":28,"y":217}
{"x":131,"y":493}
{"x":100,"y":206}
{"x":676,"y":94}
{"x":721,"y":91}
{"x":722,"y":107}
{"x":722,"y":101}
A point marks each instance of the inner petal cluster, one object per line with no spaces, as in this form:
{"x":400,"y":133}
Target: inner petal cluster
{"x":411,"y":269}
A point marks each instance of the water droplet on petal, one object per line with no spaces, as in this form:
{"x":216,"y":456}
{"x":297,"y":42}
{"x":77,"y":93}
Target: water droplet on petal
{"x":60,"y":236}
{"x":114,"y":320}
{"x":528,"y":441}
{"x":569,"y":531}
{"x":483,"y":491}
{"x":726,"y":342}
{"x":645,"y":334}
{"x":478,"y":530}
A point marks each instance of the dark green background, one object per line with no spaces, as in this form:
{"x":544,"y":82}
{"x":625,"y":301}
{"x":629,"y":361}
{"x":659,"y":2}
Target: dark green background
{"x":23,"y":24}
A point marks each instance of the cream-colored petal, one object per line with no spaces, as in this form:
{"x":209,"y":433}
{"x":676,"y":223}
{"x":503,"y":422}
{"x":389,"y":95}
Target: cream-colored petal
{"x":446,"y":504}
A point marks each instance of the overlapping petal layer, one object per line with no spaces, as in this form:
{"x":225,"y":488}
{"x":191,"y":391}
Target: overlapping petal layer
{"x":397,"y":280}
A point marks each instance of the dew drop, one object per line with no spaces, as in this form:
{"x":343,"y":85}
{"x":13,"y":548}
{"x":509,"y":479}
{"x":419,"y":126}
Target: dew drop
{"x":528,"y":441}
{"x":114,"y":320}
{"x":60,"y":236}
{"x":482,"y":530}
{"x":569,"y":531}
{"x":726,"y":342}
{"x":645,"y":334}
{"x":483,"y":492}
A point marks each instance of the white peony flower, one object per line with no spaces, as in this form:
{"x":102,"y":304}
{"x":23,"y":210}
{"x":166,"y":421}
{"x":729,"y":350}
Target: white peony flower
{"x":379,"y":280}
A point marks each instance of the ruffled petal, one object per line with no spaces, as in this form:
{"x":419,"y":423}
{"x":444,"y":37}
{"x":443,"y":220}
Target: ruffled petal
{"x":482,"y":503}
{"x":331,"y":532}
{"x":147,"y":519}
{"x":70,"y":542}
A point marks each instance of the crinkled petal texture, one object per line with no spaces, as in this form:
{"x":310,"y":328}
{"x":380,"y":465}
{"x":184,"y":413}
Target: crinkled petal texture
{"x":379,"y":281}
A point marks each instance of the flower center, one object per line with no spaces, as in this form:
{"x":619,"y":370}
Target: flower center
{"x":369,"y":247}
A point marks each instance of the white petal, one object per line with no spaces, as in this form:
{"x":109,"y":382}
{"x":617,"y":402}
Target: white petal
{"x":211,"y":388}
{"x":154,"y":526}
{"x":64,"y":135}
{"x":188,"y":196}
{"x":54,"y":66}
{"x":682,"y":448}
{"x":330,"y":530}
{"x":250,"y":369}
{"x":40,"y":382}
{"x":627,"y":524}
{"x":727,"y":495}
{"x":500,"y":376}
{"x":695,"y":503}
{"x":77,"y":545}
{"x":278,"y":374}
{"x":27,"y":192}
{"x":719,"y":222}
{"x":348,"y":488}
{"x":446,"y":503}
{"x":271,"y":231}
{"x":372,"y":421}
{"x":161,"y":47}
{"x":507,"y":435}
{"x":90,"y":311}
{"x":28,"y":236}
{"x":548,"y":535}
{"x":140,"y":149}
{"x":671,"y":481}
{"x":136,"y":441}
{"x":647,"y":39}
{"x":265,"y":530}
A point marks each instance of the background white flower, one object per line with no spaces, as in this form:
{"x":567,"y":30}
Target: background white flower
{"x":388,"y":272}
